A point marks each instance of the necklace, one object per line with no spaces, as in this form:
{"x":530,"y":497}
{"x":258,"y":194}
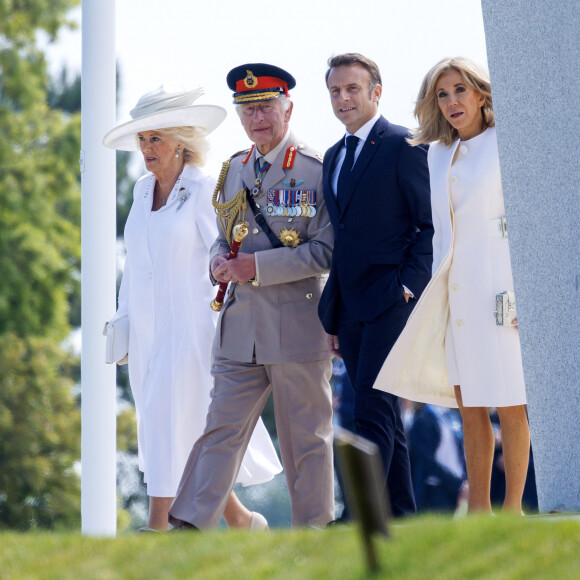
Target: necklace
{"x":164,"y":198}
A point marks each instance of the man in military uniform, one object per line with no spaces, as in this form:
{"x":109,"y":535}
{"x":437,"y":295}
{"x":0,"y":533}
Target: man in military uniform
{"x":268,"y":334}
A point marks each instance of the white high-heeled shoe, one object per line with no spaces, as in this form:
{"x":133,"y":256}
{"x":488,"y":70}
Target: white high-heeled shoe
{"x":258,"y":522}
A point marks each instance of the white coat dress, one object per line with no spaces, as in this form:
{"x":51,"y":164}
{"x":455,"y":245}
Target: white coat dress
{"x":167,"y":292}
{"x":451,"y":336}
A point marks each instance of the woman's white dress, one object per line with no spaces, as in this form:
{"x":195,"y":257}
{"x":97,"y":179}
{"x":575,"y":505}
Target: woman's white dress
{"x":167,"y":292}
{"x":451,"y":336}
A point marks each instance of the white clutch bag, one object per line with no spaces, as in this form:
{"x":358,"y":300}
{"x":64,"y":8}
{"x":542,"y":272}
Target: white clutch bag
{"x":505,"y":308}
{"x":117,"y":333}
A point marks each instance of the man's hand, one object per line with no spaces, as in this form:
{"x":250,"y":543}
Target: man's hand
{"x":237,"y":270}
{"x":218,"y":261}
{"x":333,"y":345}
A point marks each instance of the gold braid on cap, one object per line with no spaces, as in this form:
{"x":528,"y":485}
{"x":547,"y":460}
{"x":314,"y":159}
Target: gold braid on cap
{"x":233,"y":211}
{"x":266,"y":95}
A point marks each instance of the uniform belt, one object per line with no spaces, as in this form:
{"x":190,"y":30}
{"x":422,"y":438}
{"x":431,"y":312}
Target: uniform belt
{"x":498,"y":228}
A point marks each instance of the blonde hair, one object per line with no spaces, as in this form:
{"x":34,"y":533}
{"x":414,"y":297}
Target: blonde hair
{"x":432,"y":124}
{"x":193,"y":142}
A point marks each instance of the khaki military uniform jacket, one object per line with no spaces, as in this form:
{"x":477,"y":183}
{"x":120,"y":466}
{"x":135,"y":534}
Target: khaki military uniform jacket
{"x":277,"y":320}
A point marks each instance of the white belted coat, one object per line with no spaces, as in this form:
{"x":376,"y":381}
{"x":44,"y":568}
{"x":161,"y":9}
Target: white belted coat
{"x":166,"y":291}
{"x":470,"y":266}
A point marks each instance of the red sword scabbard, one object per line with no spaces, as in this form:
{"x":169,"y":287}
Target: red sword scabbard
{"x":239,"y":233}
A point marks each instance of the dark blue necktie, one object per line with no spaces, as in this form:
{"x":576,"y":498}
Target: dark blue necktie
{"x":341,"y":191}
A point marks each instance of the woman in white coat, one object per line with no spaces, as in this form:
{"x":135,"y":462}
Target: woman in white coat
{"x":452,"y":351}
{"x":166,"y":292}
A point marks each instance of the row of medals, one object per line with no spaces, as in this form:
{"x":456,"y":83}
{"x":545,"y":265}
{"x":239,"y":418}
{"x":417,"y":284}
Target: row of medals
{"x":304,"y":209}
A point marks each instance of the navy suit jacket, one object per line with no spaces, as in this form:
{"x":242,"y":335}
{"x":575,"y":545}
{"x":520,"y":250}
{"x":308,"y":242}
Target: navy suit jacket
{"x":383,"y":236}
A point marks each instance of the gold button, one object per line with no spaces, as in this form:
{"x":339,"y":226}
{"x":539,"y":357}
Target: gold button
{"x":455,"y":287}
{"x":258,"y":205}
{"x":459,"y":323}
{"x":255,"y":283}
{"x":309,"y":296}
{"x":255,"y":231}
{"x":454,"y":179}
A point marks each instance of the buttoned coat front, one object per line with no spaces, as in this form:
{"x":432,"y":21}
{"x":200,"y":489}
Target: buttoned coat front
{"x":470,"y":267}
{"x":166,"y":294}
{"x":277,"y":319}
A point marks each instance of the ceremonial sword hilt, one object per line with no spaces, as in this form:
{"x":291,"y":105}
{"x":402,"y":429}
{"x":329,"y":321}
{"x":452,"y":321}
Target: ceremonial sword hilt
{"x":240,"y":231}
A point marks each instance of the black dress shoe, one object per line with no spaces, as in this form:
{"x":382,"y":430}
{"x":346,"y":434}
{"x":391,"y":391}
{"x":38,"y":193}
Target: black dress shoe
{"x":181,"y":526}
{"x":336,"y":522}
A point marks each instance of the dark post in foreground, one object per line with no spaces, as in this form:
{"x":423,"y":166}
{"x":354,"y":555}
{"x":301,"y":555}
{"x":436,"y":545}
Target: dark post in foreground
{"x":362,"y":472}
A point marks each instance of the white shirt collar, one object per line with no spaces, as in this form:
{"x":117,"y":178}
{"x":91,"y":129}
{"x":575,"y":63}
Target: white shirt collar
{"x":363,"y":132}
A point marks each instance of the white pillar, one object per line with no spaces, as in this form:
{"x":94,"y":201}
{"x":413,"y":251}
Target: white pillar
{"x":98,"y":384}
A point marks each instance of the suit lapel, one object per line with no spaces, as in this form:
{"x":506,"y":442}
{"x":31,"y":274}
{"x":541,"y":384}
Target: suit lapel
{"x":366,"y":155}
{"x":327,"y":169}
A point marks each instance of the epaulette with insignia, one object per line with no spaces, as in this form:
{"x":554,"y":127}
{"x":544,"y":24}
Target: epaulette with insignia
{"x":309,"y":152}
{"x":289,"y":158}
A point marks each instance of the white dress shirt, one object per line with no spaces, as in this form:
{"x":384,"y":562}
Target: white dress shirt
{"x":362,"y":134}
{"x":271,"y":155}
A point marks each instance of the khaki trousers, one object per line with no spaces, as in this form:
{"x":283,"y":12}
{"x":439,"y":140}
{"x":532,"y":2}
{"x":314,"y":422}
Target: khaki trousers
{"x":303,"y":411}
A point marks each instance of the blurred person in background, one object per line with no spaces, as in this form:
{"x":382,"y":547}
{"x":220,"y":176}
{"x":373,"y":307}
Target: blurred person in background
{"x":436,"y":453}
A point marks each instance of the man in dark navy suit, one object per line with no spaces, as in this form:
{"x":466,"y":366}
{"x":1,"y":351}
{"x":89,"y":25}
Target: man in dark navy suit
{"x":376,"y":188}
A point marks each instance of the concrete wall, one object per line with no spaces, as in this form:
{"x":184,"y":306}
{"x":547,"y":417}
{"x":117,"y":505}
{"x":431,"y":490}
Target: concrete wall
{"x":534,"y":61}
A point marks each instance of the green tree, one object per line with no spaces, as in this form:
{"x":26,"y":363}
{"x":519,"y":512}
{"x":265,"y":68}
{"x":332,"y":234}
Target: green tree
{"x":39,"y":436}
{"x":39,"y":179}
{"x":39,"y":265}
{"x":65,"y":93}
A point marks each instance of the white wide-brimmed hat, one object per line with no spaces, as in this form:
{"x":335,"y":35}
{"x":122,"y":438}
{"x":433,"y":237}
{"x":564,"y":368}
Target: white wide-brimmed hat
{"x":163,"y":108}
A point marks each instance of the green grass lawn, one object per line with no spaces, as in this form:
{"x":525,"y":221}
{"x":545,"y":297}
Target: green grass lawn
{"x":426,"y":547}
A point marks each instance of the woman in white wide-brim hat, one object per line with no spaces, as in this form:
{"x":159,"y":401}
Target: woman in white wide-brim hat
{"x":166,"y":293}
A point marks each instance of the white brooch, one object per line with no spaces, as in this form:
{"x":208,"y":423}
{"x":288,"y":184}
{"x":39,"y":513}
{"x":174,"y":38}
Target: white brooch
{"x":183,"y":197}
